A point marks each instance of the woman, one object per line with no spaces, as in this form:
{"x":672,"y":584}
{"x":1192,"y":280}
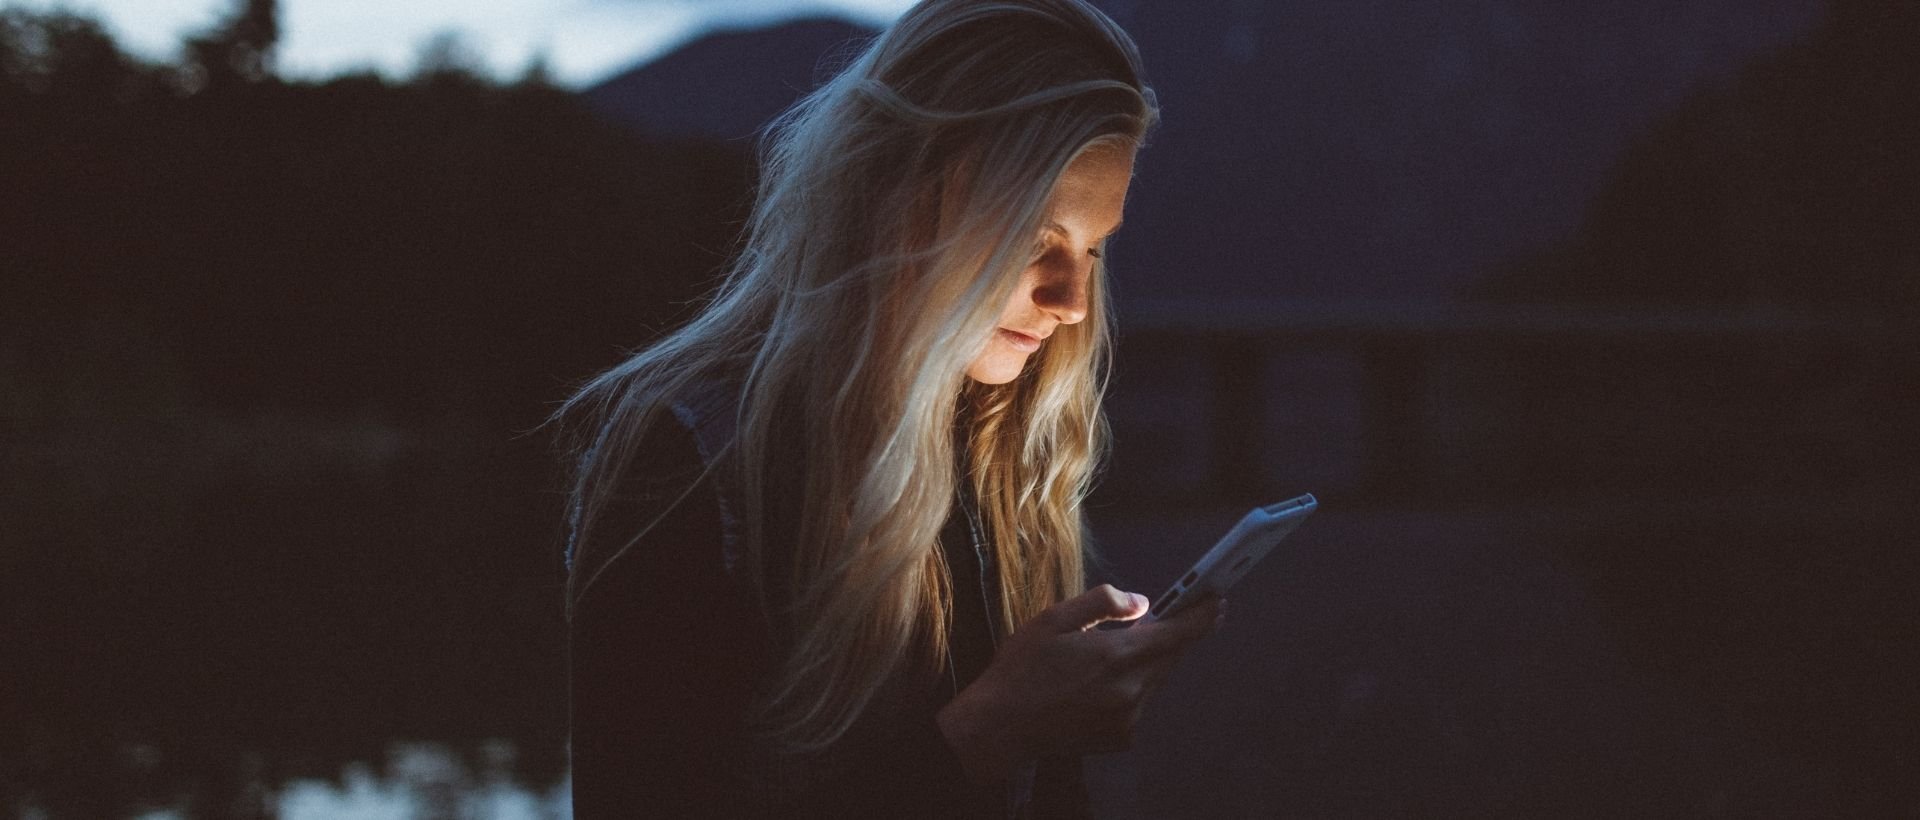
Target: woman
{"x":828,"y":545}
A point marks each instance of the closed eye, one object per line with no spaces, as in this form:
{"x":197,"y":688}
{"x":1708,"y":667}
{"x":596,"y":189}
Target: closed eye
{"x":1095,"y":252}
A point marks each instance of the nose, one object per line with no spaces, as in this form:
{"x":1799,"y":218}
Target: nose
{"x":1064,"y":294}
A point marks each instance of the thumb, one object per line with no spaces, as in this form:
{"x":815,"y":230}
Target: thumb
{"x":1084,"y":611}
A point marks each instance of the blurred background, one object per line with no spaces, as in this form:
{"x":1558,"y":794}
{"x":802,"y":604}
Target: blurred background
{"x":1596,"y":327}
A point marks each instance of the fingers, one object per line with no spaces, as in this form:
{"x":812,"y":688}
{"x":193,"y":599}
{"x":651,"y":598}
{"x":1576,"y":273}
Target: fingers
{"x":1107,"y":676}
{"x":1195,"y":621}
{"x":1149,"y":671}
{"x":1157,"y":638}
{"x":1095,"y":606}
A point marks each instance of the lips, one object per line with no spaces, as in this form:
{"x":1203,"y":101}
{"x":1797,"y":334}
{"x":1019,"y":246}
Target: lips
{"x":1023,"y":342}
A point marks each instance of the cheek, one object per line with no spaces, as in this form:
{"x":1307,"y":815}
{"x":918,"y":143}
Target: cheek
{"x":1020,"y":301}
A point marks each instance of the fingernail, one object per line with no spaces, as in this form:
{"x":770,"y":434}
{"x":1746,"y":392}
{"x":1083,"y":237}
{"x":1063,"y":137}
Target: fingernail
{"x":1138,"y":599}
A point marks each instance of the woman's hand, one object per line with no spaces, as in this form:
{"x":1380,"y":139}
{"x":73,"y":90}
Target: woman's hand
{"x":1060,"y":685}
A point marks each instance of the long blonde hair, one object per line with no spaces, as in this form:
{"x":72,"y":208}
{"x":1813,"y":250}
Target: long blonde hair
{"x":899,"y":204}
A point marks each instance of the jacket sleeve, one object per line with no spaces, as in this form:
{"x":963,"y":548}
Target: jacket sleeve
{"x":667,"y":651}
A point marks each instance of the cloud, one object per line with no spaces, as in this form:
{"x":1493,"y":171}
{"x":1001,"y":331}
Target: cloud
{"x":874,"y":12}
{"x":582,"y":41}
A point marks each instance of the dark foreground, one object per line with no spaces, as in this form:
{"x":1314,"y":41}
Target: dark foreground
{"x":1540,"y":662}
{"x":1726,"y":658}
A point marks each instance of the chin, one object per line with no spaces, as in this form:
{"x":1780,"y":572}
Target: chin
{"x":997,"y":370}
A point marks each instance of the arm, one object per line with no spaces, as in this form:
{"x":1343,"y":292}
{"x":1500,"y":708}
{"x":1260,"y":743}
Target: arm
{"x":664,"y":651}
{"x":1061,"y":686}
{"x":667,"y":650}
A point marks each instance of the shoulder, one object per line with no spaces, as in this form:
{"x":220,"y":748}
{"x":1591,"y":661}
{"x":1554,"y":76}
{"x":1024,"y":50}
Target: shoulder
{"x":709,"y":410}
{"x":661,"y":498}
{"x":707,"y":415}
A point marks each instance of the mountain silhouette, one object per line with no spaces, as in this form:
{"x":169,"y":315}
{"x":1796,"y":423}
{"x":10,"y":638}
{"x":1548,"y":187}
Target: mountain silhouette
{"x":729,"y":84}
{"x":1325,"y":150}
{"x":1796,"y":188}
{"x":1395,"y":150}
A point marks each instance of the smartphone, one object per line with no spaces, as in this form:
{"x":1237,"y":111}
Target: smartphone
{"x":1241,"y":548}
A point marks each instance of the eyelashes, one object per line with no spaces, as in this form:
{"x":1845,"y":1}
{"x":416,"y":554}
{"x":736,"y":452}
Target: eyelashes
{"x":1040,"y":250}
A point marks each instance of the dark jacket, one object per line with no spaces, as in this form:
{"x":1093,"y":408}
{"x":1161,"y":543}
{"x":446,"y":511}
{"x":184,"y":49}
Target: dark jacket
{"x":669,"y":643}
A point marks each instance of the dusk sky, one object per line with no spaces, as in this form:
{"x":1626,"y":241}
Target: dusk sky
{"x":583,"y":40}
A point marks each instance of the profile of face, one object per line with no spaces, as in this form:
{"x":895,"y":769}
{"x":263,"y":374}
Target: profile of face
{"x":1082,"y":212}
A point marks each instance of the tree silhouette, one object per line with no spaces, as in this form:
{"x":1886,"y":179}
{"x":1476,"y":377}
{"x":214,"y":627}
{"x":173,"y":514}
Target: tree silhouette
{"x":241,"y":48}
{"x":269,"y":356}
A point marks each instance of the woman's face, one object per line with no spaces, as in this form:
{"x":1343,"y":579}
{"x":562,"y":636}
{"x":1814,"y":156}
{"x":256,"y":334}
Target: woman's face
{"x":1084,"y":210}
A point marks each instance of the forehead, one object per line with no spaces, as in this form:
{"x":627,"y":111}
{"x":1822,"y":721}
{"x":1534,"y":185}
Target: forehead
{"x":1092,"y":192}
